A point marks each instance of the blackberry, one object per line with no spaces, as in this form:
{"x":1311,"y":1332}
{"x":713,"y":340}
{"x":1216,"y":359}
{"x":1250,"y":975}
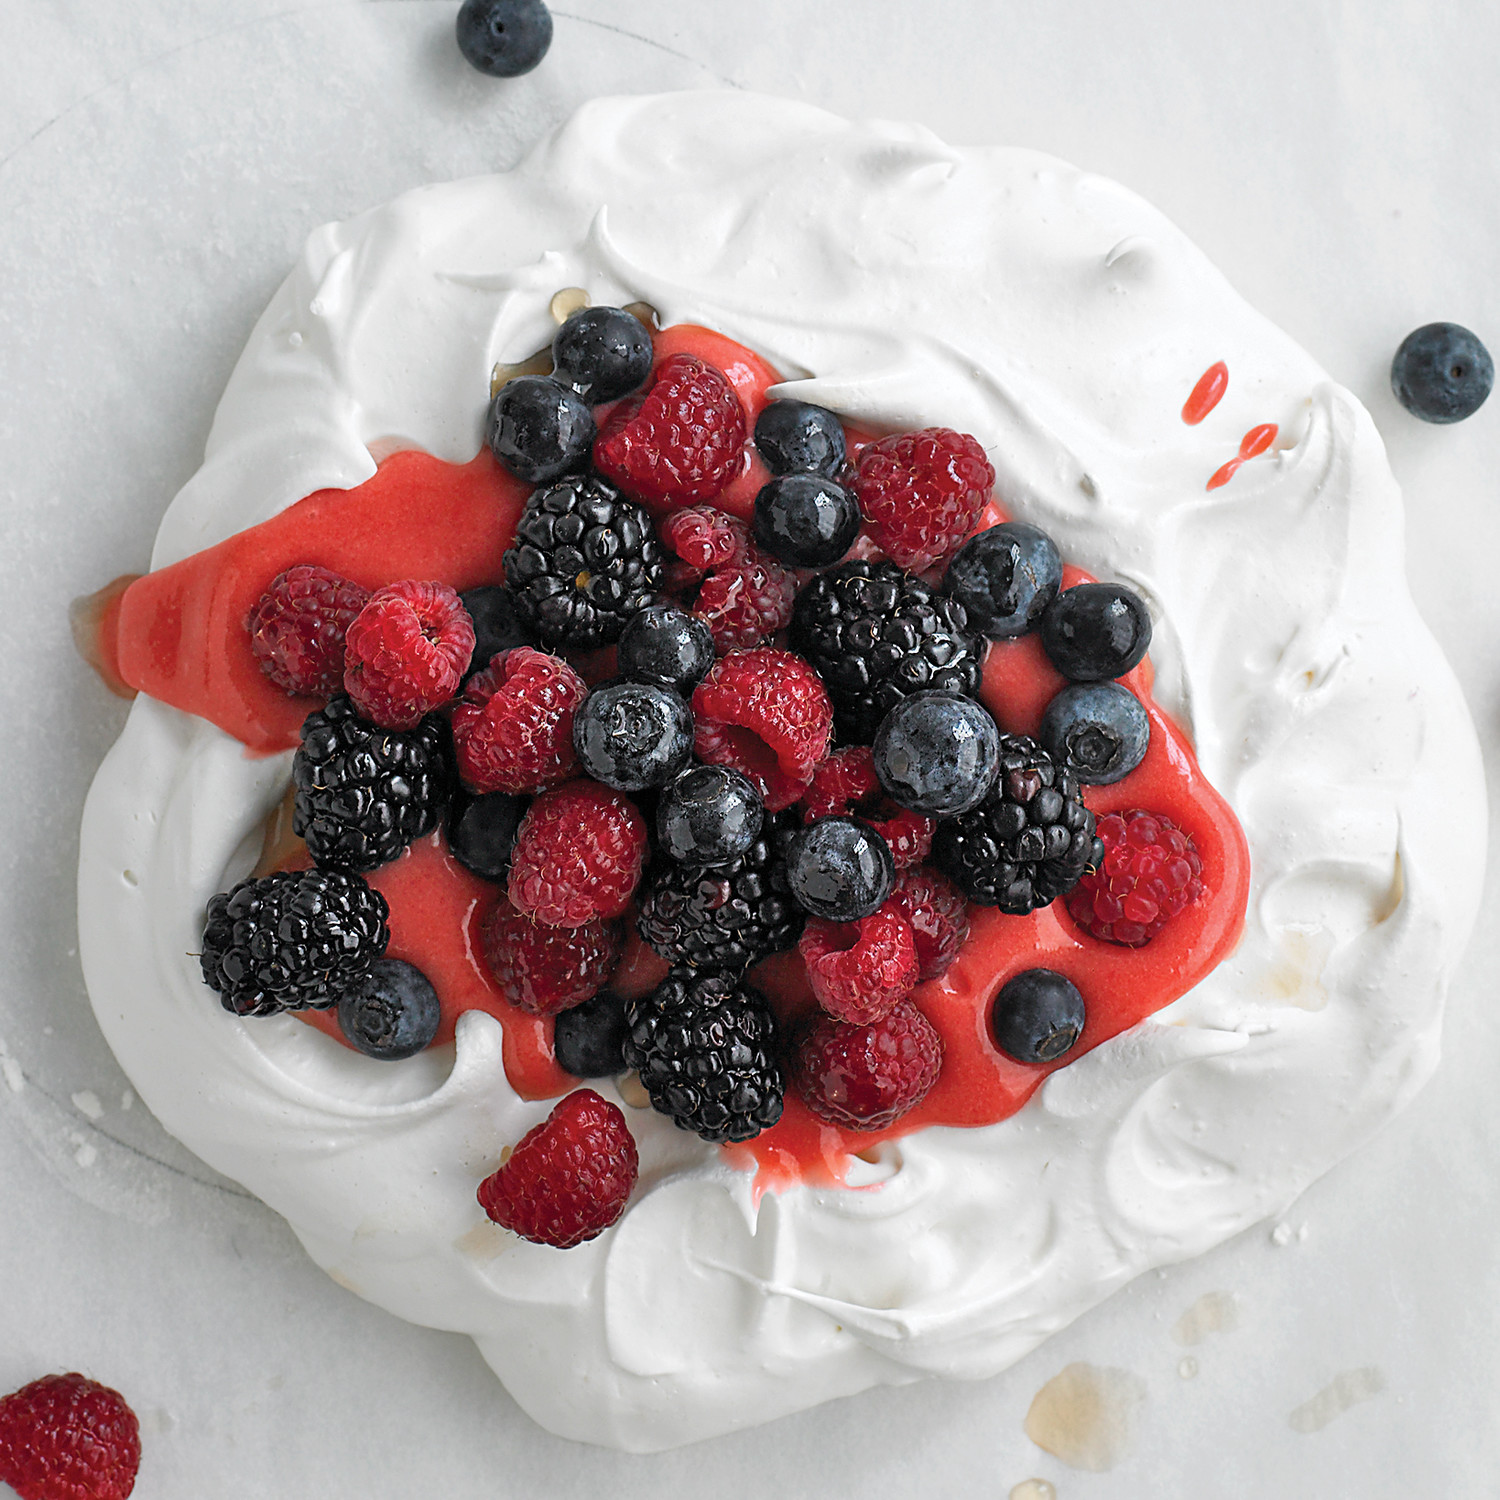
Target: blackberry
{"x":585,"y":560}
{"x":295,"y":940}
{"x":1028,"y":842}
{"x":364,"y":793}
{"x":704,"y":1046}
{"x":875,"y":633}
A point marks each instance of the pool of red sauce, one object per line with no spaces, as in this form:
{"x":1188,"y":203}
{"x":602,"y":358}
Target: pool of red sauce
{"x":179,"y":634}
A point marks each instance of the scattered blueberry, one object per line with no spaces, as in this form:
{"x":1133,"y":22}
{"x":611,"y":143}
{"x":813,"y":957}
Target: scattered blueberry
{"x":1098,"y":730}
{"x":1005,"y":578}
{"x":392,"y":1014}
{"x":840,"y":869}
{"x":806,"y":520}
{"x":667,"y":647}
{"x":496,"y":627}
{"x":796,"y":437}
{"x":482,"y":832}
{"x":1037,"y":1016}
{"x":937,"y":753}
{"x":504,"y":38}
{"x":1442,"y":373}
{"x":1096,"y":631}
{"x":602,"y":352}
{"x":540,"y":429}
{"x":709,"y":816}
{"x":588,"y":1040}
{"x":631,"y":735}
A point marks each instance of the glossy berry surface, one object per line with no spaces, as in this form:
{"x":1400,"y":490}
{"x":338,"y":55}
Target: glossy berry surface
{"x":709,"y":816}
{"x":939,"y":918}
{"x":578,"y":855}
{"x":1005,"y":578}
{"x":867,"y":1077}
{"x":667,"y":647}
{"x":806,"y":520}
{"x":743,"y":593}
{"x":406,"y":651}
{"x":588,"y":1040}
{"x":840,"y":869}
{"x":540,"y":429}
{"x":1150,"y":874}
{"x":631,"y":736}
{"x":297,"y":628}
{"x":921,"y":493}
{"x":1098,"y":730}
{"x":497,"y":626}
{"x":1037,"y":1016}
{"x":65,"y":1437}
{"x":1442,"y":373}
{"x":845,"y":785}
{"x":860,"y":971}
{"x":937,"y":753}
{"x":392,"y":1013}
{"x":543,"y":970}
{"x":602,"y":352}
{"x":482,"y":832}
{"x":513,"y":729}
{"x":504,"y":38}
{"x":1096,"y":631}
{"x":796,"y":437}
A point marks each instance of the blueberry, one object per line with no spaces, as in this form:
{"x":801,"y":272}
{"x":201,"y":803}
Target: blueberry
{"x":840,"y":869}
{"x":482,"y":832}
{"x":709,"y":816}
{"x":1096,"y":631}
{"x":588,"y":1040}
{"x":392,"y":1014}
{"x":795,"y":437}
{"x":1442,"y":373}
{"x":496,"y":627}
{"x":603,"y":353}
{"x":806,"y":520}
{"x":539,"y":429}
{"x":1098,"y":730}
{"x":667,"y":647}
{"x":937,"y":753}
{"x":504,"y":38}
{"x":631,"y":735}
{"x":1037,"y":1016}
{"x":1004,"y":578}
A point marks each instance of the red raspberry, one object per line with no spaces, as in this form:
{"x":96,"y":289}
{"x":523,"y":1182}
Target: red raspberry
{"x":297,"y":628}
{"x":765,"y":713}
{"x":939,"y":918}
{"x":544,"y":970}
{"x":846,"y":785}
{"x":867,"y":1077}
{"x":705,"y":538}
{"x":746,"y":594}
{"x":569,"y":1178}
{"x":406,"y":652}
{"x":1150,"y":873}
{"x":921,"y":493}
{"x":513,"y":731}
{"x":859,"y":971}
{"x":684,"y":440}
{"x":65,"y":1437}
{"x":578,"y":855}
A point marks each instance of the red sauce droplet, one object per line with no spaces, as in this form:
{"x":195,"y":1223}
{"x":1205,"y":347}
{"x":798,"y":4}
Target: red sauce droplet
{"x":1207,"y":394}
{"x":1222,"y":476}
{"x":1257,"y":440}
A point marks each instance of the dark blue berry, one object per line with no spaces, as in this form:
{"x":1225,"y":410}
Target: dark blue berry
{"x":482,"y":832}
{"x":392,"y":1014}
{"x":540,"y":429}
{"x":603,"y":353}
{"x":840,"y":869}
{"x":631,"y":735}
{"x":1097,"y":730}
{"x":496,"y":626}
{"x":937,"y":753}
{"x":588,"y":1040}
{"x":795,"y":437}
{"x":709,"y":816}
{"x":504,"y":38}
{"x":1004,"y":578}
{"x":1096,"y":631}
{"x":1037,"y":1016}
{"x":806,"y":520}
{"x":667,"y":647}
{"x":1442,"y":373}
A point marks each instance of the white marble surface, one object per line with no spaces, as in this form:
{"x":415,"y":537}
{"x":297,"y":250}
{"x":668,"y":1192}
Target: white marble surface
{"x":159,"y":165}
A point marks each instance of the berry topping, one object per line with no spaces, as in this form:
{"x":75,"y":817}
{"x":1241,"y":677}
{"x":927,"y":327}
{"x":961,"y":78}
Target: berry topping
{"x":1096,"y":631}
{"x":364,"y":793}
{"x":513,"y":730}
{"x":392,"y":1013}
{"x":482,"y":832}
{"x":630,"y":735}
{"x":544,"y":970}
{"x":805,"y":520}
{"x":578,"y":855}
{"x":937,"y":753}
{"x":298,"y":625}
{"x":406,"y":652}
{"x":764,"y":713}
{"x":666,"y":647}
{"x":584,"y":560}
{"x":1150,"y":873}
{"x":859,"y":971}
{"x":939,"y":918}
{"x":745,"y":595}
{"x":705,"y":538}
{"x":1027,"y":842}
{"x":683,"y":441}
{"x":65,"y":1437}
{"x":602,"y":352}
{"x":569,"y":1178}
{"x":876,"y":633}
{"x":1098,"y":730}
{"x":1037,"y":1016}
{"x":540,"y":429}
{"x":1005,"y":577}
{"x":846,"y":784}
{"x":497,"y":627}
{"x":921,"y":493}
{"x":867,"y":1077}
{"x":588,"y":1040}
{"x":795,"y":437}
{"x":840,"y":869}
{"x":705,"y":1047}
{"x":295,"y":940}
{"x":1442,"y":373}
{"x":709,"y":816}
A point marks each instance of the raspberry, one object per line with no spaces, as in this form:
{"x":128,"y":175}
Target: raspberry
{"x":939,"y":918}
{"x":683,"y":441}
{"x":297,"y":628}
{"x":921,"y":493}
{"x":859,"y":971}
{"x":569,"y":1178}
{"x":544,"y":970}
{"x":764,"y":713}
{"x":867,"y":1077}
{"x":406,"y":652}
{"x":578,"y":855}
{"x":705,"y":538}
{"x":65,"y":1437}
{"x":746,"y":594}
{"x":1150,"y":873}
{"x":845,"y":785}
{"x":513,"y":731}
